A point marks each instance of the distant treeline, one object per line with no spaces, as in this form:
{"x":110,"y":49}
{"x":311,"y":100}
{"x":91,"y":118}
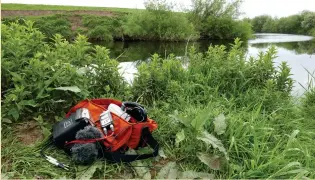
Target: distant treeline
{"x":208,"y":19}
{"x":303,"y":23}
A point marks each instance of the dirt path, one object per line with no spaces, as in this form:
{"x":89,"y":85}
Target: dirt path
{"x":7,"y":13}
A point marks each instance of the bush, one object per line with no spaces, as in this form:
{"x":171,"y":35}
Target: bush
{"x":216,"y":19}
{"x":232,"y":74}
{"x":159,"y":80}
{"x":104,"y":28}
{"x":217,"y":72}
{"x":159,"y":23}
{"x":226,"y":28}
{"x":50,"y":78}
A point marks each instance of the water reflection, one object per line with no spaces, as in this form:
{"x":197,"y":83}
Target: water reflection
{"x":298,"y":51}
{"x":304,"y":47}
{"x":278,"y":38}
{"x":142,"y":50}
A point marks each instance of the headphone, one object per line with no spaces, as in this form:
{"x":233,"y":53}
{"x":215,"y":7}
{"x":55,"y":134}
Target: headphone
{"x":135,"y":110}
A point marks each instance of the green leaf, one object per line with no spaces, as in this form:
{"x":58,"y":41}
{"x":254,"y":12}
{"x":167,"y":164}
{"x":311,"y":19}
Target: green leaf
{"x":28,"y":103}
{"x":214,"y":162}
{"x":200,"y":119}
{"x":47,"y":83}
{"x":14,"y":113}
{"x":16,"y":77}
{"x":185,"y":121}
{"x":88,"y":174}
{"x":286,"y":169}
{"x":167,"y":171}
{"x":293,"y":136}
{"x":219,"y":124}
{"x":39,"y":119}
{"x":6,"y":120}
{"x":69,"y":88}
{"x":180,"y":136}
{"x":212,"y":140}
{"x":142,"y":171}
{"x":194,"y":174}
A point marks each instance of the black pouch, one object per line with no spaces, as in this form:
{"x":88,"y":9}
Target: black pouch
{"x":66,"y":129}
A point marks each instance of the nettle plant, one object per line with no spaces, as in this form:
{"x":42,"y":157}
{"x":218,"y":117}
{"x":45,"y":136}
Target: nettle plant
{"x":48,"y":78}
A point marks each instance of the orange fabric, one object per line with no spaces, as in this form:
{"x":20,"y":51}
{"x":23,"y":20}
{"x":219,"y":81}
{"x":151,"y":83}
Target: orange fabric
{"x":125,"y":133}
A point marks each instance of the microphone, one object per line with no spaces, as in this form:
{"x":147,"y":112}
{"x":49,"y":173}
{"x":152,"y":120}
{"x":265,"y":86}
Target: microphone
{"x":86,"y":153}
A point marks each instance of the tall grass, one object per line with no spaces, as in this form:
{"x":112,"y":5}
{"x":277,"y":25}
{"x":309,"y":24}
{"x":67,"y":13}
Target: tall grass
{"x":217,"y":113}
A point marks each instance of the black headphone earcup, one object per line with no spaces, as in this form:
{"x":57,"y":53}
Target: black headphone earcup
{"x":135,"y":110}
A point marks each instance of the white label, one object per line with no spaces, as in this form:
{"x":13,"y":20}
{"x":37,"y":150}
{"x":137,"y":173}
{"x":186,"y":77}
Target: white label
{"x":67,"y":123}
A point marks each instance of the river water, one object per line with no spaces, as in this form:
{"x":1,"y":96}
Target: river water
{"x":298,"y":51}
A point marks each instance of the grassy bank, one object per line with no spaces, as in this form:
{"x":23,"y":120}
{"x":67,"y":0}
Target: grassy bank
{"x":219,"y":116}
{"x":158,"y":22}
{"x":13,"y":6}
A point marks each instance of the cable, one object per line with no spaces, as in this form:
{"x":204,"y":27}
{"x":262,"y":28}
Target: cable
{"x":50,"y":159}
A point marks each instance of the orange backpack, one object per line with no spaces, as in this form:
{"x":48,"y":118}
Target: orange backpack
{"x":127,"y":134}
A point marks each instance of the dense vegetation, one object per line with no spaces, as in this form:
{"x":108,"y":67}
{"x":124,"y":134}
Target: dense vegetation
{"x":217,"y":19}
{"x":210,"y":19}
{"x":217,"y":113}
{"x":303,"y":23}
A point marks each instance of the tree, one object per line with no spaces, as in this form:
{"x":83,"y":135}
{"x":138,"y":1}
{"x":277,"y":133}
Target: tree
{"x":203,"y":9}
{"x":308,"y":23}
{"x":259,"y":21}
{"x":215,"y":18}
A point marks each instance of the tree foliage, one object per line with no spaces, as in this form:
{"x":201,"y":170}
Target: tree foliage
{"x":303,"y":23}
{"x":216,"y":19}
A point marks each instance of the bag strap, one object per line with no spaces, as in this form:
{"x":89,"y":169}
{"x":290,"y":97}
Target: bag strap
{"x":120,"y":157}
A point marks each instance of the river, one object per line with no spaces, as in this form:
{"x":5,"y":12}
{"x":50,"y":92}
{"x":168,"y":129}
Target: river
{"x":297,"y":50}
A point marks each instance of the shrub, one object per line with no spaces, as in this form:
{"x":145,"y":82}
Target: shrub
{"x":158,"y":22}
{"x":158,"y":80}
{"x":218,"y":72}
{"x":49,"y":78}
{"x":104,"y":28}
{"x":231,"y":73}
{"x":225,"y":28}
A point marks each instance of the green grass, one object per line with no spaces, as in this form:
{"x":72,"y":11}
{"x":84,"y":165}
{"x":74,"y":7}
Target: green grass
{"x":9,"y":6}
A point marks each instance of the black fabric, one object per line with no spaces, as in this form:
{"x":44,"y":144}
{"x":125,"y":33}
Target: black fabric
{"x":147,"y":138}
{"x":135,"y":110}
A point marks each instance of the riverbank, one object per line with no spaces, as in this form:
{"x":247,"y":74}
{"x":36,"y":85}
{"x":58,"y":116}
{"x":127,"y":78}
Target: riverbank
{"x":35,"y":7}
{"x":155,"y":23}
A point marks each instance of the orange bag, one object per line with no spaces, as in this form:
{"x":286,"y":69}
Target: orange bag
{"x":126,"y":135}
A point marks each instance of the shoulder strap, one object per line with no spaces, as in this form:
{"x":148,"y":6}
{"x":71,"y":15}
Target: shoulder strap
{"x":120,"y":157}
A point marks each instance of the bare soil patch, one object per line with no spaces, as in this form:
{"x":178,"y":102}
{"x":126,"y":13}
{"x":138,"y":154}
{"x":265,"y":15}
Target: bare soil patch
{"x":29,"y":132}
